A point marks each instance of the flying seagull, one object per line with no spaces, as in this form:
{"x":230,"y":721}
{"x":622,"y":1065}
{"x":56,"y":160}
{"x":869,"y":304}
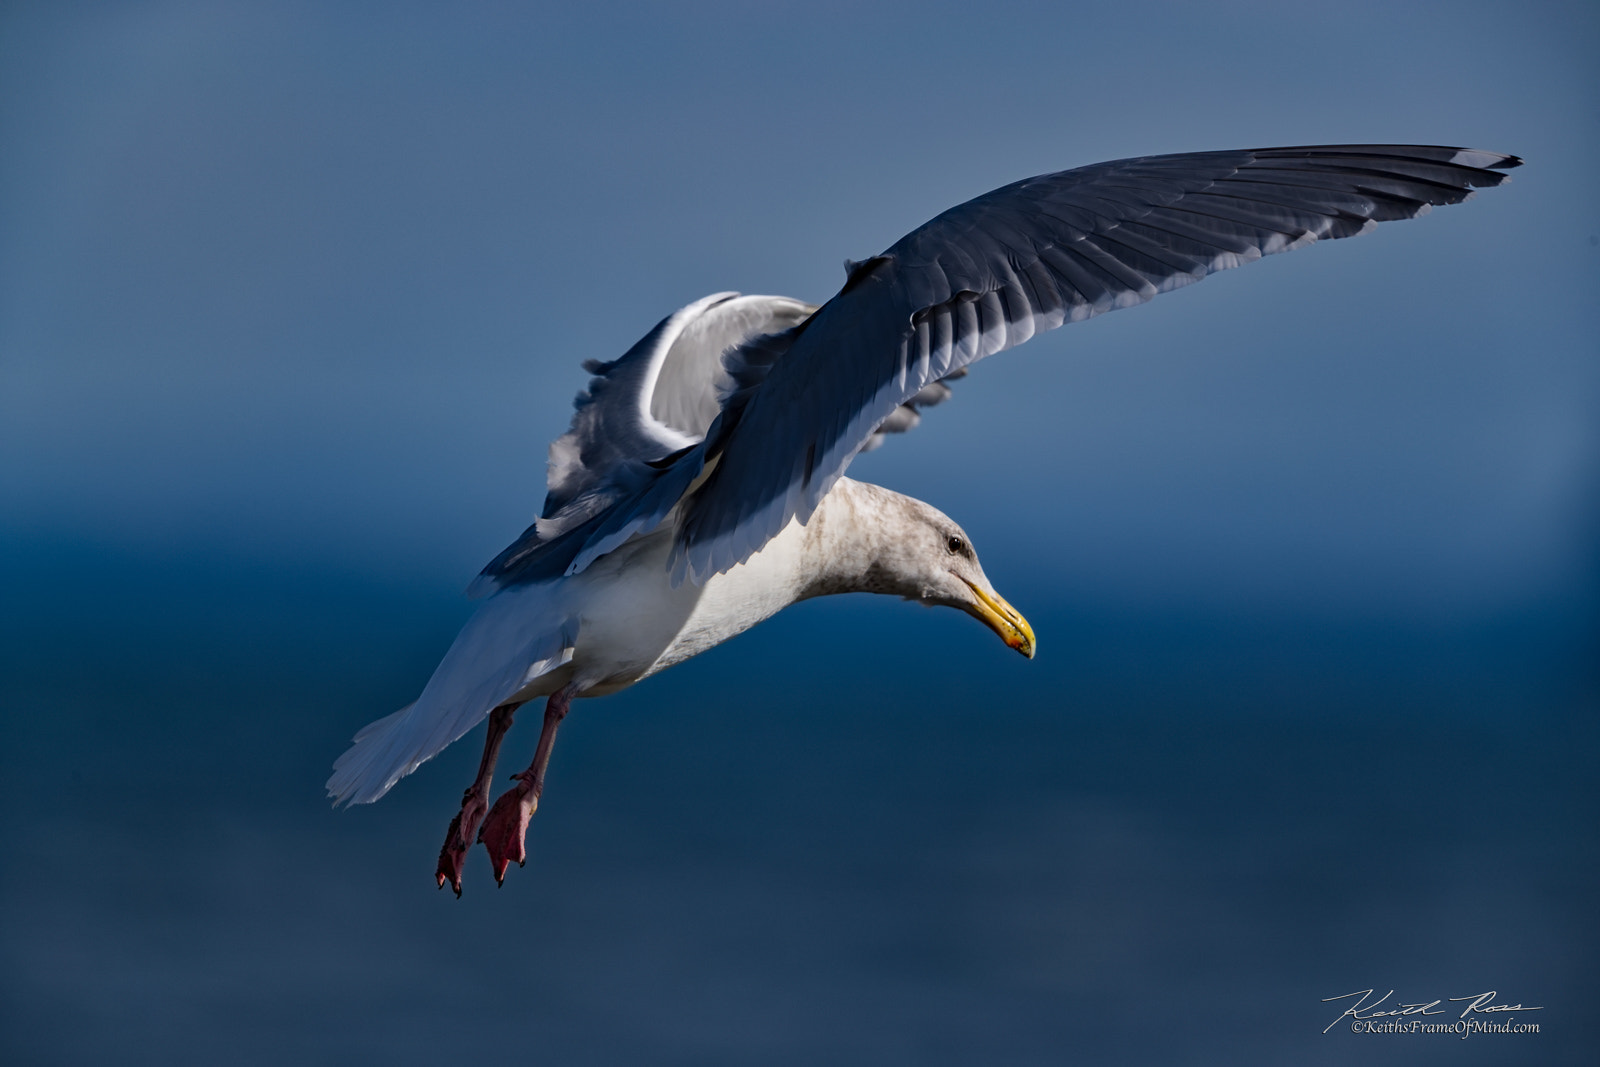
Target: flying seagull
{"x":701,"y":486}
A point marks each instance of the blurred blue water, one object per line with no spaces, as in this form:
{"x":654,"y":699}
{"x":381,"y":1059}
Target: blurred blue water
{"x":1165,"y":840}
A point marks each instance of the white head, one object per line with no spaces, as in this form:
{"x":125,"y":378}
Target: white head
{"x":879,"y":541}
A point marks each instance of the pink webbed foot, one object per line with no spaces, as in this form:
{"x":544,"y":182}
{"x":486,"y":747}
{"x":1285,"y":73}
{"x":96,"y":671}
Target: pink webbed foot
{"x":459,"y":838}
{"x":505,"y":831}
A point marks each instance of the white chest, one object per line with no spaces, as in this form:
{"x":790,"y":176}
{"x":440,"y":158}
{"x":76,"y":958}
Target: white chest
{"x":633,"y":622}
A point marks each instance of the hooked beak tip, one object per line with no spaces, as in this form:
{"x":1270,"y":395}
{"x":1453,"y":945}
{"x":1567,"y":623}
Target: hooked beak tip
{"x":991,"y":609}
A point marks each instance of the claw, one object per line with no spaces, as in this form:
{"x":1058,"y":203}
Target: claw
{"x":458,"y":842}
{"x":504,"y":832}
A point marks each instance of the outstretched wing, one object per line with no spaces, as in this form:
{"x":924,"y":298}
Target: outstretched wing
{"x":656,"y":400}
{"x":1028,"y":257}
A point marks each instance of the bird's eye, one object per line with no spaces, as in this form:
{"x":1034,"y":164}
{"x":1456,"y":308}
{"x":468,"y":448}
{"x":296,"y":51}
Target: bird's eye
{"x":955,"y":545}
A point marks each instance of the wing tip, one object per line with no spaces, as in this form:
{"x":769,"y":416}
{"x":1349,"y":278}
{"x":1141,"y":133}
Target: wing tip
{"x":1483,"y":159}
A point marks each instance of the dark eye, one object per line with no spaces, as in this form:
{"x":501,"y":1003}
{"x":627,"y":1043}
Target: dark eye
{"x":956,"y":546}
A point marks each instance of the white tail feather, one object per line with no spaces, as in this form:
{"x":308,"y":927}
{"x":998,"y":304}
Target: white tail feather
{"x":515,"y":637}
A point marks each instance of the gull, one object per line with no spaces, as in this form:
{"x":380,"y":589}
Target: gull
{"x":701,"y":488}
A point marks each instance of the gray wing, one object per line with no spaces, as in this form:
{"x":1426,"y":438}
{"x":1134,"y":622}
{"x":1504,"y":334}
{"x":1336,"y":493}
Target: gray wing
{"x":908,"y":416}
{"x":653,"y":402}
{"x":661,"y":395}
{"x":1028,"y":257}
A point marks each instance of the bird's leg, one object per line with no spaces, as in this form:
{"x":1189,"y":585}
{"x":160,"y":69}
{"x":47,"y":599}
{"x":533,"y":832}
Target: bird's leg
{"x":474,"y":802}
{"x":506,"y":827}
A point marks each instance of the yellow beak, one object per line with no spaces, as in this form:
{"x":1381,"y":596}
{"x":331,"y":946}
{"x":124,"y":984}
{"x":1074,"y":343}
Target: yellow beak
{"x":992,"y":610}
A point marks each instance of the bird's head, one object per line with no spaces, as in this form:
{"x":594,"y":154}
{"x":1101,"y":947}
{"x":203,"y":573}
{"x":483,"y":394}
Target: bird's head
{"x":936,"y":564}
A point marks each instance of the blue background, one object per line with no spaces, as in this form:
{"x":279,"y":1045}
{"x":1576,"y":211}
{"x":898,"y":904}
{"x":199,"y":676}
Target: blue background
{"x":292,"y":298}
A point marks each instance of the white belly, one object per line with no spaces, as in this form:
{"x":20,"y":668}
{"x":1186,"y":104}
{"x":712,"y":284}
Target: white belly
{"x":633,"y":623}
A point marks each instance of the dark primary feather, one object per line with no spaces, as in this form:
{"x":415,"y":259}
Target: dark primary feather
{"x":1028,"y":257}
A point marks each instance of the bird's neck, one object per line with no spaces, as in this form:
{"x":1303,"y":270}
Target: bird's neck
{"x":852,"y":541}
